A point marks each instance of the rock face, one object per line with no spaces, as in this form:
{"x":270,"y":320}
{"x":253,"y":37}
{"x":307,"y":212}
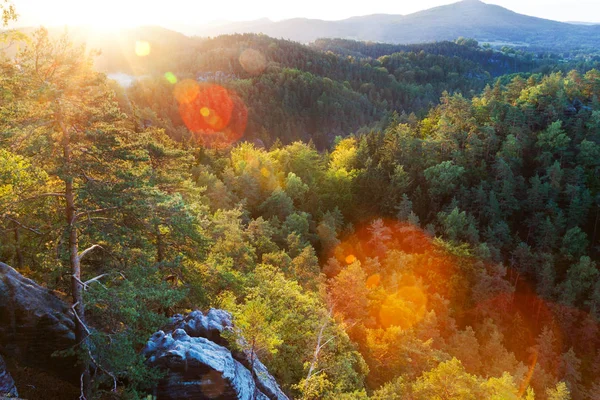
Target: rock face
{"x":200,"y":366}
{"x":34,"y":323}
{"x":7,"y":385}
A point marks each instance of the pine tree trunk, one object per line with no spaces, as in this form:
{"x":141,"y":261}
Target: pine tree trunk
{"x":75,"y":264}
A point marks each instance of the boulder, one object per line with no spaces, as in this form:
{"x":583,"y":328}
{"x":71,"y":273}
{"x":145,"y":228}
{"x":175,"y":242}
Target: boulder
{"x":199,"y":364}
{"x":34,"y":324}
{"x":7,"y":384}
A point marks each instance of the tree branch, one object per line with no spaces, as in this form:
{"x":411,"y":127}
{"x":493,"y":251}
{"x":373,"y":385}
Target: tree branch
{"x":96,"y":279}
{"x":114,"y":378}
{"x":77,"y":315}
{"x":88,"y":250}
{"x":82,"y":395}
{"x":325,"y":344}
{"x":80,"y":282}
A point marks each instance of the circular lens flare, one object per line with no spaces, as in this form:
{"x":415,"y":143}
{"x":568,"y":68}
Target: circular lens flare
{"x":373,"y":281}
{"x":253,"y":61}
{"x":209,"y":111}
{"x":404,"y":308}
{"x":171,"y":78}
{"x":350,"y":259}
{"x":142,"y":48}
{"x":214,"y":114}
{"x":186,"y":91}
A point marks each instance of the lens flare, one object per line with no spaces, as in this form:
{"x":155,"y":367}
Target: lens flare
{"x":408,"y":279}
{"x":373,"y":281}
{"x":209,"y":111}
{"x":350,"y":258}
{"x":253,"y":61}
{"x":142,"y":48}
{"x":214,"y":114}
{"x":527,"y":315}
{"x":186,"y":91}
{"x":171,"y":78}
{"x":404,"y":308}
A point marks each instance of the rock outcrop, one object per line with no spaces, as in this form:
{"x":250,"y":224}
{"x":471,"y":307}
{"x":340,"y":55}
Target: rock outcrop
{"x":34,"y":324}
{"x":200,"y":366}
{"x":7,"y":384}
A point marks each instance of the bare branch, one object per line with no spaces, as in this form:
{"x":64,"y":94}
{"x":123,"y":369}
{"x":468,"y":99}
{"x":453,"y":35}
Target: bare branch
{"x":114,"y":378}
{"x":88,"y":250}
{"x":82,"y":395}
{"x":315,"y":359}
{"x":77,"y":316}
{"x":96,"y":279}
{"x":80,"y":282}
{"x":324,"y":344}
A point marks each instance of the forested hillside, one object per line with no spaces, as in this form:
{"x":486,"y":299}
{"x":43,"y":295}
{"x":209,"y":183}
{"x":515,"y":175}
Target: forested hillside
{"x":332,"y":88}
{"x":412,"y":224}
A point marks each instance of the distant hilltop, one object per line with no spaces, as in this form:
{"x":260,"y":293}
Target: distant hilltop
{"x":469,"y":18}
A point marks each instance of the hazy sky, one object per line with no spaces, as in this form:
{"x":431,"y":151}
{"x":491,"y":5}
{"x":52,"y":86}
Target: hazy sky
{"x":187,"y":12}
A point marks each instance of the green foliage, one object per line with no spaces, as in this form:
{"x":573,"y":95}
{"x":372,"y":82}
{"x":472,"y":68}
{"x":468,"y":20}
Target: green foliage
{"x":443,"y":178}
{"x":320,"y":256}
{"x":257,"y":333}
{"x":560,"y":392}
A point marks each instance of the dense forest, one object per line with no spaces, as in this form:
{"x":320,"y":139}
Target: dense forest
{"x":384,"y":222}
{"x":333,"y":87}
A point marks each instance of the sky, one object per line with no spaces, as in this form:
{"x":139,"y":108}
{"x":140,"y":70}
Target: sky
{"x":123,"y":13}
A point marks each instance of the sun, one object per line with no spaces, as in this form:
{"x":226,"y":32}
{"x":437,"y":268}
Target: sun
{"x":108,"y":15}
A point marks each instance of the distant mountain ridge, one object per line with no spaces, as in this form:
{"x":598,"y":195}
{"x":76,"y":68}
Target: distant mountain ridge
{"x":468,"y":18}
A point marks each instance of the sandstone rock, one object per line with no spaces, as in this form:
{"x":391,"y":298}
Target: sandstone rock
{"x":199,"y":364}
{"x":34,"y":323}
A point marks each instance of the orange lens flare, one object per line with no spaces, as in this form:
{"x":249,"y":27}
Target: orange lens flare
{"x":404,"y":277}
{"x":209,"y":111}
{"x":373,"y":281}
{"x":403,"y":309}
{"x":186,"y":91}
{"x":525,"y":384}
{"x":214,"y":114}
